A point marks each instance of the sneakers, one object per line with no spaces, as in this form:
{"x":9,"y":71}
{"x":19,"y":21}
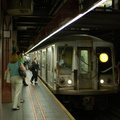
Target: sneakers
{"x":15,"y":108}
{"x":32,"y":82}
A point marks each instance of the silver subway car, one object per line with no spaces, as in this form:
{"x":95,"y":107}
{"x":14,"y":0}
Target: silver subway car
{"x":78,"y":65}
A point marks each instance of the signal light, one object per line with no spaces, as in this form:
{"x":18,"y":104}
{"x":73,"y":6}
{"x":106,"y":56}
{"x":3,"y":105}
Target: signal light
{"x":103,"y":57}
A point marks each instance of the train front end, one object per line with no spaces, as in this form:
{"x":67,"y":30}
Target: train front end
{"x":86,"y":73}
{"x":86,"y":68}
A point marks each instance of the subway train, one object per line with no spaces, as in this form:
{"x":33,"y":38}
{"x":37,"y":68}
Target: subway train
{"x":80,"y":69}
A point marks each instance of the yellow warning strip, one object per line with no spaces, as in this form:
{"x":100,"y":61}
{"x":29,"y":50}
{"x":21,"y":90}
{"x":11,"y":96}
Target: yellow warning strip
{"x":68,"y":113}
{"x":31,"y":99}
{"x":43,"y":114}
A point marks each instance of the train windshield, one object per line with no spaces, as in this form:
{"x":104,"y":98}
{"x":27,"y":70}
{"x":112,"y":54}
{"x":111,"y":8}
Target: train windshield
{"x":65,"y":55}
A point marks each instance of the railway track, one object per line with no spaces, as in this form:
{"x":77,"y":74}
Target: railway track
{"x":111,"y":113}
{"x":96,"y":115}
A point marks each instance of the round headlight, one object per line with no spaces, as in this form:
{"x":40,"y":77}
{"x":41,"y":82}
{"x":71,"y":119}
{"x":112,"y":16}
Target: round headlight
{"x":69,"y":82}
{"x":103,"y":57}
{"x":101,"y":81}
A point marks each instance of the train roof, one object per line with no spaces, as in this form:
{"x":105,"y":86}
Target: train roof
{"x":82,"y":37}
{"x":74,"y":37}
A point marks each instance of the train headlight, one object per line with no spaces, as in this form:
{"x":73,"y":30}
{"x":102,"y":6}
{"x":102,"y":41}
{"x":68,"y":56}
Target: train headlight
{"x":101,"y":81}
{"x":69,"y":82}
{"x":103,"y":57}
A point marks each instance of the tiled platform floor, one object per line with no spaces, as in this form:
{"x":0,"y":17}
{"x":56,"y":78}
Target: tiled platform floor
{"x":40,"y":104}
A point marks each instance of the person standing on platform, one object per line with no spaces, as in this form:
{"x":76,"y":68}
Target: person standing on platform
{"x":16,"y":80}
{"x":35,"y":68}
{"x":22,"y":61}
{"x":26,"y":59}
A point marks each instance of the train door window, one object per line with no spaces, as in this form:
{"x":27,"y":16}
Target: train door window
{"x":38,"y":57}
{"x":48,"y":58}
{"x":53,"y":58}
{"x":35,"y":53}
{"x":84,"y":61}
{"x":40,"y":63}
{"x":43,"y":59}
{"x":85,"y":71}
{"x":65,"y":55}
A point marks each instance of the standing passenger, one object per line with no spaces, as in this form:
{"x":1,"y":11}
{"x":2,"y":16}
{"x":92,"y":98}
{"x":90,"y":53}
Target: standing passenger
{"x":22,"y":61}
{"x":35,"y":68}
{"x":26,"y":59}
{"x":16,"y":80}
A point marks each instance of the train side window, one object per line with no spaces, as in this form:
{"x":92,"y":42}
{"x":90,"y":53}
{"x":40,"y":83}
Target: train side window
{"x":84,"y":61}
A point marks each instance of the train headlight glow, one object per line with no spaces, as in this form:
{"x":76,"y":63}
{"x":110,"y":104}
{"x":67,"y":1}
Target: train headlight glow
{"x":103,"y":57}
{"x":69,"y":82}
{"x":101,"y":81}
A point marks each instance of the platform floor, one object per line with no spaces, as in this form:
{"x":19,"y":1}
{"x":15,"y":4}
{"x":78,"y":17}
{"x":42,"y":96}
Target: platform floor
{"x":40,"y":104}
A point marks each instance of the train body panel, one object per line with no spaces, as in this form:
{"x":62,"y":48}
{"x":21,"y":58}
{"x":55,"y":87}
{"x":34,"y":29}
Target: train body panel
{"x":72,"y":66}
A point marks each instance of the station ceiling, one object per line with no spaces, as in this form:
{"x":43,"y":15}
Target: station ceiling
{"x":35,"y":20}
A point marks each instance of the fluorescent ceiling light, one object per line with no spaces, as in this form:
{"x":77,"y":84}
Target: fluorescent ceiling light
{"x":67,"y":24}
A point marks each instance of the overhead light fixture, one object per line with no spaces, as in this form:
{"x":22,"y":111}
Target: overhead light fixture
{"x":68,"y":23}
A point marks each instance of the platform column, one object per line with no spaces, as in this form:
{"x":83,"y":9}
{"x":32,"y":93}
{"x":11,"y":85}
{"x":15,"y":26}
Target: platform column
{"x":6,"y":51}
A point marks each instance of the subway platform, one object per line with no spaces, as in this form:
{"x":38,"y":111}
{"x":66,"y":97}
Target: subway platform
{"x":40,"y":104}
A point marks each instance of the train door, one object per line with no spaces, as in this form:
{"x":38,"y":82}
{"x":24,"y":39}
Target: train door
{"x":48,"y":65}
{"x":44,"y":64}
{"x":52,"y":66}
{"x":46,"y":72}
{"x":39,"y":61}
{"x":85,"y":72}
